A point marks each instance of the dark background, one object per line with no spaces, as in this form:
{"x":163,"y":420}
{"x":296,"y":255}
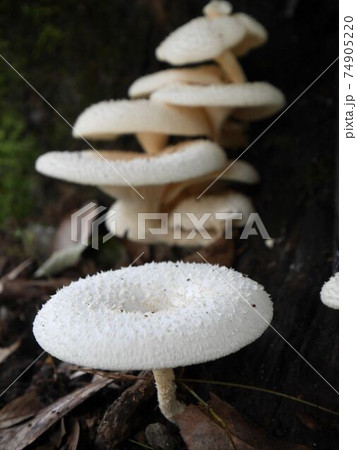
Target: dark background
{"x":77,"y":53}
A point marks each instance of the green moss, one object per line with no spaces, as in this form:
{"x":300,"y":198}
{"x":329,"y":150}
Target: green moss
{"x":17,"y":156}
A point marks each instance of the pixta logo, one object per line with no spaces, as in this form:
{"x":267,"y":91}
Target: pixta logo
{"x":85,"y":224}
{"x":86,"y":221}
{"x":253,"y":225}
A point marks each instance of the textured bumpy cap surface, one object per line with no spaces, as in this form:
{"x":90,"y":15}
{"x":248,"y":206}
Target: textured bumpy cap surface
{"x":181,"y":162}
{"x":205,"y":38}
{"x":330,"y":292}
{"x":147,"y":84}
{"x":108,"y":119}
{"x":159,"y":315}
{"x":256,"y":100}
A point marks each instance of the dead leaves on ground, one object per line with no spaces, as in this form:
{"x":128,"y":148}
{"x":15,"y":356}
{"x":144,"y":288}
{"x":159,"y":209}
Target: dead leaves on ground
{"x":20,"y":436}
{"x":119,"y":418}
{"x":20,"y":409}
{"x":222,"y":427}
{"x":26,"y":290}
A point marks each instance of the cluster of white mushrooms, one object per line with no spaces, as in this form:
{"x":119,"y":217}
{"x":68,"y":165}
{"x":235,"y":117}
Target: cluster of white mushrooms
{"x":209,"y":102}
{"x":163,"y":315}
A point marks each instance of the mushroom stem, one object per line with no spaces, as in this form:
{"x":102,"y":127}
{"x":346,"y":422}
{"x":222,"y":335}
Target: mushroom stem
{"x":226,"y":59}
{"x":217,"y":116}
{"x":231,"y":67}
{"x":166,"y":394}
{"x":152,"y":143}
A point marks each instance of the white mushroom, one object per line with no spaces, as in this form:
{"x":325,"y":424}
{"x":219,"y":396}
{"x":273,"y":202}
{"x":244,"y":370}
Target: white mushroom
{"x":202,"y":75}
{"x":218,"y":209}
{"x":117,"y":172}
{"x":144,"y":86}
{"x":151,"y":122}
{"x":217,"y":8}
{"x":158,"y":316}
{"x":124,"y":221}
{"x":235,"y":171}
{"x":330,"y":292}
{"x":217,"y":36}
{"x":115,"y":169}
{"x":249,"y":101}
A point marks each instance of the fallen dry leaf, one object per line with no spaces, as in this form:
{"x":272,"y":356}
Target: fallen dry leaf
{"x":200,"y":432}
{"x":118,"y":419}
{"x":57,"y":435}
{"x":73,"y":435}
{"x":61,"y":260}
{"x":67,"y":252}
{"x":5,"y":352}
{"x":20,"y":409}
{"x":222,"y":427}
{"x":23,"y":435}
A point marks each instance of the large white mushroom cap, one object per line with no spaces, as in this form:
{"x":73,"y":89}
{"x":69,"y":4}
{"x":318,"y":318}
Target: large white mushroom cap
{"x":255,"y":100}
{"x":109,"y":119}
{"x":205,"y":38}
{"x":330,"y":292}
{"x":181,"y":162}
{"x":160,"y":315}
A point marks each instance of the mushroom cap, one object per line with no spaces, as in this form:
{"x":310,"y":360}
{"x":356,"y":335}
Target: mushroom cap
{"x":256,"y":35}
{"x":205,"y":38}
{"x":238,"y":171}
{"x":252,"y":100}
{"x":224,"y":202}
{"x":144,"y":86}
{"x":123,"y":220}
{"x":241,"y":171}
{"x":109,"y":119}
{"x":177,"y":163}
{"x":330,"y":292}
{"x":155,"y":316}
{"x":124,"y":223}
{"x":217,"y":7}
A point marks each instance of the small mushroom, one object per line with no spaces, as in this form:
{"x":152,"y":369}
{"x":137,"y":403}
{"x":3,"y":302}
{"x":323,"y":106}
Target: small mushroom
{"x":124,"y":218}
{"x":330,"y":292}
{"x":219,"y":36}
{"x":147,"y":84}
{"x":150,"y":121}
{"x":124,"y":222}
{"x":202,"y":75}
{"x":249,"y":101}
{"x":235,"y":171}
{"x":186,"y":232}
{"x":151,"y":317}
{"x":115,"y":170}
{"x":216,"y":205}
